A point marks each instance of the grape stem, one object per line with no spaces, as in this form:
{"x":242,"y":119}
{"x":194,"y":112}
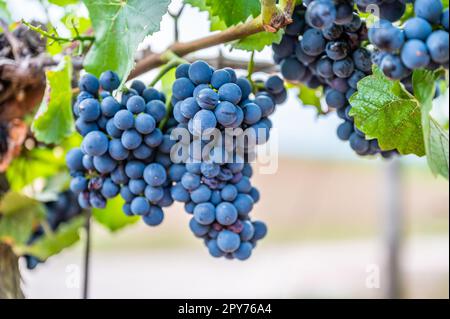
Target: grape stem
{"x":55,"y":37}
{"x":169,"y":109}
{"x":251,"y":69}
{"x":173,"y":63}
{"x":253,"y":26}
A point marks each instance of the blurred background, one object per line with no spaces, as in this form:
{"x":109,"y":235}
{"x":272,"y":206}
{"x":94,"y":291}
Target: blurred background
{"x":333,"y":220}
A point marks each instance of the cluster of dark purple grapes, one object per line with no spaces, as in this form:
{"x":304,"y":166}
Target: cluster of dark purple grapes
{"x":215,"y":184}
{"x":421,"y":42}
{"x":123,"y":149}
{"x":58,"y":212}
{"x":324,"y":47}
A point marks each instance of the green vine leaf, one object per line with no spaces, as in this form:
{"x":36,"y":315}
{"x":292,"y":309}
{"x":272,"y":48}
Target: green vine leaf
{"x":120,"y":26}
{"x":52,"y":244}
{"x":383,"y":109}
{"x":257,"y":42}
{"x":435,"y":136}
{"x":54,"y":121}
{"x":18,"y":213}
{"x":233,"y":12}
{"x":112,"y":217}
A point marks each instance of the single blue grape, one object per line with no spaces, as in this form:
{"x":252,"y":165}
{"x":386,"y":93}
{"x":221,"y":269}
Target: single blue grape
{"x":244,"y":252}
{"x":260,"y":230}
{"x":126,"y":194}
{"x":145,"y":123}
{"x":154,"y":194}
{"x":414,"y":54}
{"x":110,"y":189}
{"x":88,"y":162}
{"x":335,"y":99}
{"x":78,"y":184}
{"x":179,"y":117}
{"x":226,"y":113}
{"x":150,"y":94}
{"x":138,"y":86}
{"x":124,"y":120}
{"x":205,"y":213}
{"x":137,"y":186}
{"x":117,"y":151}
{"x":393,"y":67}
{"x":109,"y":81}
{"x":135,"y":169}
{"x":430,"y":10}
{"x":157,"y":109}
{"x":337,"y":50}
{"x":245,"y":86}
{"x":200,"y":72}
{"x":131,"y":139}
{"x":228,"y":241}
{"x":155,"y":217}
{"x":417,"y":28}
{"x":321,"y":14}
{"x":136,"y":104}
{"x":204,"y":122}
{"x":155,"y":174}
{"x":104,"y":164}
{"x":190,"y":181}
{"x":176,"y":172}
{"x":229,"y":193}
{"x":244,"y":204}
{"x":207,"y":99}
{"x":214,"y":249}
{"x":292,"y":70}
{"x":232,"y":74}
{"x":201,"y":194}
{"x":112,"y":129}
{"x":95,"y":143}
{"x":110,"y":106}
{"x":197,"y":229}
{"x":74,"y":160}
{"x":140,"y":206}
{"x":444,"y":19}
{"x":266,"y":104}
{"x":154,"y":139}
{"x":343,"y":68}
{"x":219,"y":78}
{"x":189,"y":107}
{"x":230,"y":92}
{"x":248,"y":231}
{"x":359,"y":144}
{"x":182,"y":71}
{"x":252,"y":113}
{"x":388,"y":37}
{"x":345,"y":130}
{"x":89,"y":83}
{"x":183,"y":88}
{"x":313,"y":43}
{"x":97,"y":200}
{"x":362,"y":59}
{"x":119,"y":176}
{"x":89,"y":110}
{"x":324,"y":67}
{"x":437,"y":44}
{"x":180,"y":194}
{"x":226,"y":214}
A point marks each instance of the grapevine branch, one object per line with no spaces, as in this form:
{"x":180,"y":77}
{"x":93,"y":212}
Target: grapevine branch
{"x":55,"y":37}
{"x":278,"y":20}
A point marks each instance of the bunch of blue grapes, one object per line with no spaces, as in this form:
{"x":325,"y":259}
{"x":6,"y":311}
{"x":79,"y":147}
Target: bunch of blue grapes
{"x":122,"y":148}
{"x":64,"y":209}
{"x":324,"y":47}
{"x":420,"y":42}
{"x":215,"y":184}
